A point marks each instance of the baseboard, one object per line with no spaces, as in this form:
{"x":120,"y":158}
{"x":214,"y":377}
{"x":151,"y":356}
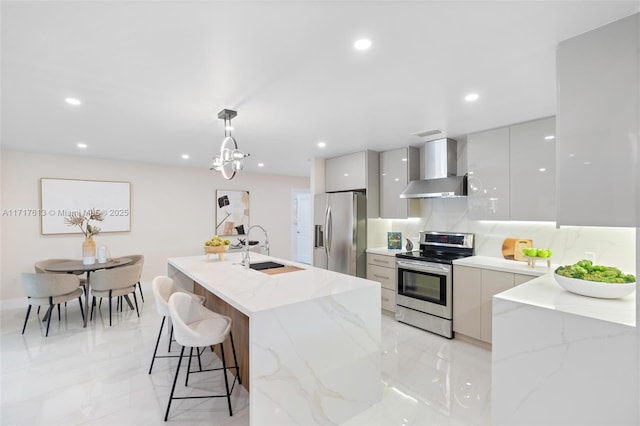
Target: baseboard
{"x":476,"y":342}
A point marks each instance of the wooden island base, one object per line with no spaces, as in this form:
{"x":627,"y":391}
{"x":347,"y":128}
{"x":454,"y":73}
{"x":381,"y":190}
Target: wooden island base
{"x":239,"y":328}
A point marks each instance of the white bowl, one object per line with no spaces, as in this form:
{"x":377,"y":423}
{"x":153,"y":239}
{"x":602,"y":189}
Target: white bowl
{"x":594,"y":288}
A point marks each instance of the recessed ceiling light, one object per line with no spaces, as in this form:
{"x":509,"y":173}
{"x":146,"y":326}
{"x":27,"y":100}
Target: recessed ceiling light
{"x":260,"y":164}
{"x":322,"y":144}
{"x":82,"y":145}
{"x":346,"y":174}
{"x":542,"y":169}
{"x":471,"y":97}
{"x":73,"y":101}
{"x":362,"y":44}
{"x":549,"y":137}
{"x":404,"y":159}
{"x":185,"y":156}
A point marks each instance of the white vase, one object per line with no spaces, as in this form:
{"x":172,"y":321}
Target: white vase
{"x":88,"y":251}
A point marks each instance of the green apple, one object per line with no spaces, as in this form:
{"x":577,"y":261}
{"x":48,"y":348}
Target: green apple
{"x":544,"y":253}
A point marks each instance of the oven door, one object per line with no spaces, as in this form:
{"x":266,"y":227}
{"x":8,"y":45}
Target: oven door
{"x":425,"y":287}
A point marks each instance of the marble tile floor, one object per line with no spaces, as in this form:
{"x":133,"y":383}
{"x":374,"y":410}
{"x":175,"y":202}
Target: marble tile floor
{"x":98,"y":376}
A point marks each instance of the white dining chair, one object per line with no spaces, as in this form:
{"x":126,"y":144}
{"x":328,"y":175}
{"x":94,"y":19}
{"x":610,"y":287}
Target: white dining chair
{"x":195,"y":327}
{"x":135,"y":259}
{"x":50,"y":290}
{"x":41,"y":265}
{"x":115,"y":282}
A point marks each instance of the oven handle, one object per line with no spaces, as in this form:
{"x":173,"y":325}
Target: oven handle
{"x":442,"y":270}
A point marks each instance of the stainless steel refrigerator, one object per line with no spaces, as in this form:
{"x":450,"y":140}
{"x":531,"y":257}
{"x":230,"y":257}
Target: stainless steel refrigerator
{"x":340,"y":232}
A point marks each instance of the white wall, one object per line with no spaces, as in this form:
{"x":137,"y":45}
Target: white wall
{"x":172,"y":211}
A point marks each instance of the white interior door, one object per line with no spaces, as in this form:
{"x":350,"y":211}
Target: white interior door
{"x":302,"y":226}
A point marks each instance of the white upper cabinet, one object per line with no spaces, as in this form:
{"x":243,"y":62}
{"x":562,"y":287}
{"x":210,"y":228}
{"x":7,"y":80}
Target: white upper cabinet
{"x":532,"y":150}
{"x":397,"y":168}
{"x":597,"y":145}
{"x":346,"y":173}
{"x":356,"y":172}
{"x":512,"y":172}
{"x":488,"y":168}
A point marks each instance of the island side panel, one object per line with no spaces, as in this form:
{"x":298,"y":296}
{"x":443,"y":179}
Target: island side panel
{"x":551,"y":367}
{"x":179,"y":278}
{"x":239,"y":329}
{"x":316,"y":362}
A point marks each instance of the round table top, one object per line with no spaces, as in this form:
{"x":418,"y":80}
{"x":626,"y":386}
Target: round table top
{"x":78,"y":266}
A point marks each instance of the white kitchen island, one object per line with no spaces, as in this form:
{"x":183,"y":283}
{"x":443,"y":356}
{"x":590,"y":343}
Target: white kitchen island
{"x":561,"y":358}
{"x":312,"y":336}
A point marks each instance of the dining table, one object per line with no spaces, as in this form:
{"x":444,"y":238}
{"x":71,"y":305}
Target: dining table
{"x":77,"y":267}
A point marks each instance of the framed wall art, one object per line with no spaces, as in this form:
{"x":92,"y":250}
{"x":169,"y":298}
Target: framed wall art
{"x":232,"y":212}
{"x":59,"y":198}
{"x":394,"y":240}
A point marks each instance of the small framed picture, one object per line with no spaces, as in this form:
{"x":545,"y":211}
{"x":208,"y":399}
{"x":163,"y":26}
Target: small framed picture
{"x":232,"y":214}
{"x":394,"y":240}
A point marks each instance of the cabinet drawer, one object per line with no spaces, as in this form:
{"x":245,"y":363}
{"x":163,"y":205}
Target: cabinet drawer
{"x":388,"y":300}
{"x":381,"y":260}
{"x":385,"y":276}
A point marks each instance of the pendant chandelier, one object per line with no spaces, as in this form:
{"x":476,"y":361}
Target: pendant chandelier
{"x":229,"y":161}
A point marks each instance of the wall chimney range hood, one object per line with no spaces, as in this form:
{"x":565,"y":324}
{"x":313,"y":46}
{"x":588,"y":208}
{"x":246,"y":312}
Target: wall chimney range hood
{"x":440,"y":167}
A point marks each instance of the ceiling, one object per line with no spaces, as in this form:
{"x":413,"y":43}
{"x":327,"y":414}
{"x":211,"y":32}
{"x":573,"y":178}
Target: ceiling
{"x":152,"y":76}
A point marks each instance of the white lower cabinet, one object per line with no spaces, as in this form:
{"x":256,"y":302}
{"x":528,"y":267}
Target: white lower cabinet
{"x":382,"y":268}
{"x":466,"y":300}
{"x":473,"y":291}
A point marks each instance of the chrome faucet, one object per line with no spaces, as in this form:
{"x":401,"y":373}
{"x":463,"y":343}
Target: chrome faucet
{"x":245,"y":253}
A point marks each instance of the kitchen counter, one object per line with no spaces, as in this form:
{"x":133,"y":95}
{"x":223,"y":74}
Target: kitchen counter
{"x":558,"y":357}
{"x":385,"y":251}
{"x":544,"y":292}
{"x":504,"y":265}
{"x":252,"y":291}
{"x":313,"y":337}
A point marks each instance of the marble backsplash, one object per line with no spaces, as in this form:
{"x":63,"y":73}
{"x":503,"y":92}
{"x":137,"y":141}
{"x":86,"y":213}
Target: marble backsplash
{"x":612,"y":246}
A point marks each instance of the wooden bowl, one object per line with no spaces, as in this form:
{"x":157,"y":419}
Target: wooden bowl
{"x":216,"y":249}
{"x":219,"y":250}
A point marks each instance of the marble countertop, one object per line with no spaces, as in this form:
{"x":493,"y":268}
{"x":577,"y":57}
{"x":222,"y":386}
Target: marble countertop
{"x":385,"y":251}
{"x":544,"y":292}
{"x":504,"y":265}
{"x":251,"y":291}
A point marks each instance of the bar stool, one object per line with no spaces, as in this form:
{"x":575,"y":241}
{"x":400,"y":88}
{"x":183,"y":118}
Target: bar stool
{"x":195,"y":327}
{"x":163,"y":287}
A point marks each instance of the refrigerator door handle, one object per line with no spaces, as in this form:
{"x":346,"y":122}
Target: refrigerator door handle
{"x":328,"y":231}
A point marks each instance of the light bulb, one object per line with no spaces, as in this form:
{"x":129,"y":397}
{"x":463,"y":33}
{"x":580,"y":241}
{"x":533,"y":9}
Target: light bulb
{"x":216,"y":163}
{"x":227,"y":155}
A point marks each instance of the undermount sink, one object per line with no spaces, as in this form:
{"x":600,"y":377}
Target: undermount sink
{"x":260,"y":266}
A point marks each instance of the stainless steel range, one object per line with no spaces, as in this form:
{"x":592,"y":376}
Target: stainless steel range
{"x":425,"y":281}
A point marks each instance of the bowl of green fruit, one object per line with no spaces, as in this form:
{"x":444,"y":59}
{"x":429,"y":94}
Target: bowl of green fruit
{"x":586,"y":279}
{"x":216,"y":245}
{"x":532,"y":254}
